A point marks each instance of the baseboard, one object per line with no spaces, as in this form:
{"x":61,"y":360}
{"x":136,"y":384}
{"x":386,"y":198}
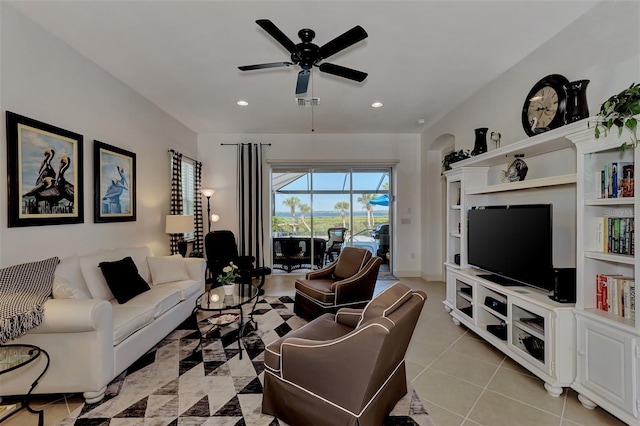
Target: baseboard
{"x":407,"y":274}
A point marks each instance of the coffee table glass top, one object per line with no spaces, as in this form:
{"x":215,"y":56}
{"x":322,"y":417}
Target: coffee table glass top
{"x":15,"y":356}
{"x":216,"y":300}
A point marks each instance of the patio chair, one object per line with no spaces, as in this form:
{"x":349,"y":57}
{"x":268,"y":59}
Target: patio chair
{"x":334,"y":244}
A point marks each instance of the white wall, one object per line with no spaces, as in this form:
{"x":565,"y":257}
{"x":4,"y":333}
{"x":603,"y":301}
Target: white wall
{"x":219,"y":172}
{"x":602,"y":46}
{"x":43,"y":78}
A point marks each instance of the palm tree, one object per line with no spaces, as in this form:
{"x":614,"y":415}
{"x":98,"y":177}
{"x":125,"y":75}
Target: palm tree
{"x":365,"y":200}
{"x":342,"y":207}
{"x":304,"y":209}
{"x":292,"y":202}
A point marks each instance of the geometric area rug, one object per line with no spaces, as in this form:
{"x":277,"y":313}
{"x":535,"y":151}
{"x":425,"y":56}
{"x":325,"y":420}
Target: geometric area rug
{"x":171,"y":385}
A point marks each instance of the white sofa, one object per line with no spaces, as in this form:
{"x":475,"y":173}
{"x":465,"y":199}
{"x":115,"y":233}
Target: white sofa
{"x":90,"y":337}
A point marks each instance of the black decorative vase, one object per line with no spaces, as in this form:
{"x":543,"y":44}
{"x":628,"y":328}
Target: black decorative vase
{"x":480,"y":145}
{"x":577,"y":107}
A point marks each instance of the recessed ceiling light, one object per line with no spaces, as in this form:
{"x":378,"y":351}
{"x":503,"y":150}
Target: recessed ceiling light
{"x":243,"y":103}
{"x":376,"y":104}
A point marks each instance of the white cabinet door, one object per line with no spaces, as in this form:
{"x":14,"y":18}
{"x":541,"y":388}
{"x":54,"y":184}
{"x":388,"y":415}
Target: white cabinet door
{"x":605,"y":357}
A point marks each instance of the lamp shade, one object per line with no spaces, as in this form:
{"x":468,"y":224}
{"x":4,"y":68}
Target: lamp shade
{"x":179,"y":224}
{"x":208,"y":192}
{"x":214,"y":217}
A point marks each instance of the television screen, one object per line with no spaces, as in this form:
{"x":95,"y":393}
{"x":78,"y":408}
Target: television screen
{"x":513,"y":242}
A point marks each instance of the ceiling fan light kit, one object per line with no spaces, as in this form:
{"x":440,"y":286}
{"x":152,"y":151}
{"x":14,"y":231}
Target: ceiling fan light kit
{"x":307,"y":54}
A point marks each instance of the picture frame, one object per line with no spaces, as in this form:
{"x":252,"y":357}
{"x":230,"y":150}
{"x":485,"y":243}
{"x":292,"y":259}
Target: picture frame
{"x":44,"y":173}
{"x":114,"y":184}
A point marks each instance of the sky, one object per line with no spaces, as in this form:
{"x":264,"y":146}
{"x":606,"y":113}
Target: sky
{"x":363,"y":182}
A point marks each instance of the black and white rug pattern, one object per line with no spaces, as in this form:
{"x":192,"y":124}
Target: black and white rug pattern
{"x":174,"y":386}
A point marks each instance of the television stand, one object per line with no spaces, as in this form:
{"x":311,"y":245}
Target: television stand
{"x":498,"y":279}
{"x":522,"y":322}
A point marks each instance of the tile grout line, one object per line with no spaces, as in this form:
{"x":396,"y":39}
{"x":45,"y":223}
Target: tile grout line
{"x":438,"y":357}
{"x":483,"y":391}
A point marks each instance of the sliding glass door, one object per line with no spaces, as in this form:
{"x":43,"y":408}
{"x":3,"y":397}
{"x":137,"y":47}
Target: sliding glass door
{"x":318,"y":209}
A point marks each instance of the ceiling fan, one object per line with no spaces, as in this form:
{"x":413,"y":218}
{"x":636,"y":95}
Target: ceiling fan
{"x":308,"y":55}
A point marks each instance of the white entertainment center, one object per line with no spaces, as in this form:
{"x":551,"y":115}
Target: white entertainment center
{"x":596,"y":353}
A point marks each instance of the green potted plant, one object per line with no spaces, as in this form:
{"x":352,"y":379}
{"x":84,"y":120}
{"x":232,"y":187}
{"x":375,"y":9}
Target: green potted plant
{"x":619,"y":110}
{"x":453,"y":157}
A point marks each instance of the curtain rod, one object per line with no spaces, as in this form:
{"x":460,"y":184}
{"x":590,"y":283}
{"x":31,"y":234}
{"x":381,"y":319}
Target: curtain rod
{"x":236,"y":144}
{"x":185,"y":156}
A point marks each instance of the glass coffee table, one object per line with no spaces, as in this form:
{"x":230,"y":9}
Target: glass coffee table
{"x":13,"y":357}
{"x":215,"y":300}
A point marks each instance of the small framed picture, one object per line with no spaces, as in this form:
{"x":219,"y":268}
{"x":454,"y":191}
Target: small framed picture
{"x":44,"y":170}
{"x":114,"y":184}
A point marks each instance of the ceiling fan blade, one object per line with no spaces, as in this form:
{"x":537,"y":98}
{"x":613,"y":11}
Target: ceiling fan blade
{"x":343,"y":41}
{"x":263,"y":66}
{"x":303,"y":81}
{"x":349,"y":73}
{"x":275,"y":32}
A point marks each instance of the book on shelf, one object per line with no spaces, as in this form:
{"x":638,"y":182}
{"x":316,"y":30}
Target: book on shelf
{"x":613,"y":234}
{"x":616,"y":294}
{"x":615,"y":180}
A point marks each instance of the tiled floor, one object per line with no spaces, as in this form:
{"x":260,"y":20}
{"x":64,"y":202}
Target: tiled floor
{"x":461,"y":379}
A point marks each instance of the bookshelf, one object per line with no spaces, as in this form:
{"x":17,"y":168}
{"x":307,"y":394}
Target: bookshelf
{"x":522,"y":322}
{"x":595,"y":352}
{"x":608,"y":335}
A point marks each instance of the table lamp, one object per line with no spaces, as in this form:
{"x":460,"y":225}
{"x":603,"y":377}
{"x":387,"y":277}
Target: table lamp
{"x":180,"y":224}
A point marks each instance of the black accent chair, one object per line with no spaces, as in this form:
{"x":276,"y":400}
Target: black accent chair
{"x":221,"y":249}
{"x":334,"y":244}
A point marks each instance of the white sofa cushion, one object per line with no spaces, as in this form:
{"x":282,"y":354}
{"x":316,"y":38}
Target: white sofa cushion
{"x":62,"y":289}
{"x":186,"y":288}
{"x":69,"y":269}
{"x":92,"y":274}
{"x":160,"y":299}
{"x":166,"y":269}
{"x":128,"y":319}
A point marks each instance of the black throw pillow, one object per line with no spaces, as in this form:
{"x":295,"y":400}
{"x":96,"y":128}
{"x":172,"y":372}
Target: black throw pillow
{"x":123,"y":279}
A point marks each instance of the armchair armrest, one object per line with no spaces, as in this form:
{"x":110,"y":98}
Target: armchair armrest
{"x":348,"y":316}
{"x":196,"y":268}
{"x":75,"y":316}
{"x":325,"y":272}
{"x":347,"y":363}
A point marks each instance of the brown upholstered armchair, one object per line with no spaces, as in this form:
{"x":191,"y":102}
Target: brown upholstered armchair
{"x":349,"y":281}
{"x":343,"y":369}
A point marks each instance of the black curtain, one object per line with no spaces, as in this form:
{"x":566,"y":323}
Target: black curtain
{"x":198,"y":243}
{"x":176,"y":194}
{"x":251,"y":237}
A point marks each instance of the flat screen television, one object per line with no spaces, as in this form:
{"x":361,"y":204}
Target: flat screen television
{"x":513,"y":242}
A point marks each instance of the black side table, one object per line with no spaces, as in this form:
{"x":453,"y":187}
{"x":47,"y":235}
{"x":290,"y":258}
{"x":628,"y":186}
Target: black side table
{"x":13,"y":357}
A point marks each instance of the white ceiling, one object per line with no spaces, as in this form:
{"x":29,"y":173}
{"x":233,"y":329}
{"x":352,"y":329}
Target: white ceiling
{"x":423,"y":57}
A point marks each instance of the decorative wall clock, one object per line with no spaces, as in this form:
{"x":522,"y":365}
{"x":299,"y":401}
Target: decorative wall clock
{"x":544,"y":106}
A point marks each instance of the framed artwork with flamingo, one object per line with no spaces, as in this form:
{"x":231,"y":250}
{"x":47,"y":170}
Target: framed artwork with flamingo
{"x":44,"y":173}
{"x":114,"y":184}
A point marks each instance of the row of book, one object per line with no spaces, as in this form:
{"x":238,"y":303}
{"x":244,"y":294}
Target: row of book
{"x":615,"y":235}
{"x":616,"y":294}
{"x":616,"y":180}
